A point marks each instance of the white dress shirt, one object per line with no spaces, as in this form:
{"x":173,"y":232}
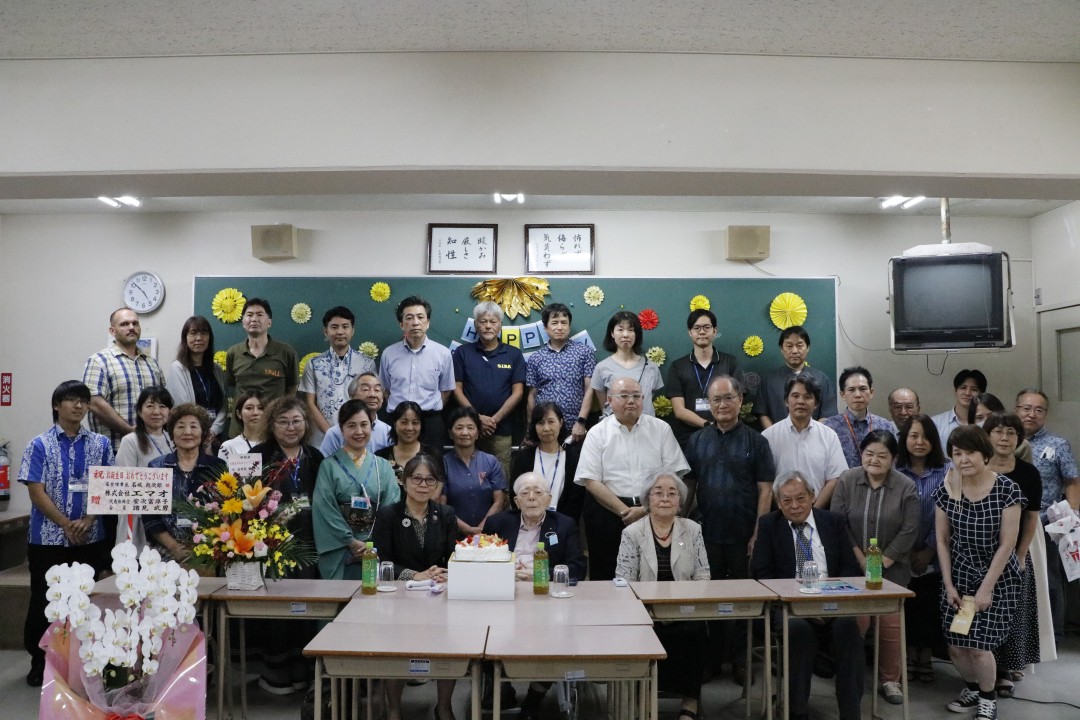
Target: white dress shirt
{"x":624,"y":458}
{"x":815,"y":544}
{"x":815,"y":452}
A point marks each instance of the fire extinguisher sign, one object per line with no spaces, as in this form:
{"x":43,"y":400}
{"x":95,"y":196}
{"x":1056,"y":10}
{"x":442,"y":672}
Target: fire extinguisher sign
{"x":5,"y":389}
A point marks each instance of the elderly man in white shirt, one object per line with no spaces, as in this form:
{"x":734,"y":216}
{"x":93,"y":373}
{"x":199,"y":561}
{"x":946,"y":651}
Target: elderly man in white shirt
{"x":800,"y":443}
{"x":618,"y":454}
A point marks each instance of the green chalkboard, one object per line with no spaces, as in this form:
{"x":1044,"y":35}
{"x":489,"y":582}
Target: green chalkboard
{"x":741,"y":306}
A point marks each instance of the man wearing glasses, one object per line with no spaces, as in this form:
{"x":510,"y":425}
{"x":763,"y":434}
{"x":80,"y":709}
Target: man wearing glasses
{"x":619,"y":455}
{"x":690,"y":376}
{"x":731,"y":474}
{"x":1052,"y":455}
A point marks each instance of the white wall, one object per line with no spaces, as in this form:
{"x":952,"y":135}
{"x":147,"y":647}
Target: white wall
{"x":1055,"y":249}
{"x":60,"y":278}
{"x":555,"y":110}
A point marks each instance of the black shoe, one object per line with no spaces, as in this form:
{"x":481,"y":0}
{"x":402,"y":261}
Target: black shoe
{"x":530,"y":706}
{"x":36,"y":676}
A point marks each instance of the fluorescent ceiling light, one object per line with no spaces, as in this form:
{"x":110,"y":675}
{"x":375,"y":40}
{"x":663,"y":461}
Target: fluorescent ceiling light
{"x":893,"y":201}
{"x":130,"y":201}
{"x":509,"y":197}
{"x":906,"y":206}
{"x":109,"y":201}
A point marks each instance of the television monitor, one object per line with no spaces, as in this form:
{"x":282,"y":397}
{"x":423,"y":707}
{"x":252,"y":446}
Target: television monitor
{"x":950,"y":302}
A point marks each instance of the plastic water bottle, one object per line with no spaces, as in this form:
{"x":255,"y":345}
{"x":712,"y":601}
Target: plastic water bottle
{"x":369,"y":570}
{"x":873,"y":566}
{"x":540,"y":570}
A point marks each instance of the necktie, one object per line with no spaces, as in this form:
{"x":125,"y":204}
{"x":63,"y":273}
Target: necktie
{"x":803,"y":549}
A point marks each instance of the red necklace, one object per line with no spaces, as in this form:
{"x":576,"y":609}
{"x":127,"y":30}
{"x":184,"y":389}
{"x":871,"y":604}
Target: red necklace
{"x":661,"y":538}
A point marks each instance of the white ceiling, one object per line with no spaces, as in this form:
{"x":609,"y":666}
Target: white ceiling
{"x":993,"y":30}
{"x":1016,"y":30}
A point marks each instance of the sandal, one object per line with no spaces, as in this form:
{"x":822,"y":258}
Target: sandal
{"x":1016,"y":675}
{"x":1004,"y":688}
{"x":924,"y":672}
{"x":688,"y":714}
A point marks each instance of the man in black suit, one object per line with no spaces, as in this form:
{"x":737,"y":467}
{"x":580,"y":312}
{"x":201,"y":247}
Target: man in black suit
{"x":786,"y":538}
{"x":533,"y":522}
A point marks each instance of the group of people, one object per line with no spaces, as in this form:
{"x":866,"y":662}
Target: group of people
{"x":951,"y":500}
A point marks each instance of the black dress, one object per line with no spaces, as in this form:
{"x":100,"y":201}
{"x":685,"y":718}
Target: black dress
{"x":1021,"y":648}
{"x":684,"y":642}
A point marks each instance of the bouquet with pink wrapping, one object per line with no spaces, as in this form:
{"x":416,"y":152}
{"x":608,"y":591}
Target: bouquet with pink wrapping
{"x":128,"y":656}
{"x":177,"y":691}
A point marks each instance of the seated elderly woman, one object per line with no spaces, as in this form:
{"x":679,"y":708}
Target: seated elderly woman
{"x":662,"y":546}
{"x":418,"y":534}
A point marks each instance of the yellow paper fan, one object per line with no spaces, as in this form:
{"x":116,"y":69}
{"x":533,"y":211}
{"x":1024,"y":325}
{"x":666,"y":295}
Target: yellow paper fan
{"x":787,"y":309}
{"x":753,"y":346}
{"x":662,"y":406}
{"x":305,"y":360}
{"x":228,"y":305}
{"x":516,"y":296}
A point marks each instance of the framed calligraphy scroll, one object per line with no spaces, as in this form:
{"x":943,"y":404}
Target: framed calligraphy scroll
{"x":461,"y":249}
{"x":560,"y":249}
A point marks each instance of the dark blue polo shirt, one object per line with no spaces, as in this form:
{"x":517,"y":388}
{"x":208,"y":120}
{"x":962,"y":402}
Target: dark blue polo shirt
{"x":487,"y":378}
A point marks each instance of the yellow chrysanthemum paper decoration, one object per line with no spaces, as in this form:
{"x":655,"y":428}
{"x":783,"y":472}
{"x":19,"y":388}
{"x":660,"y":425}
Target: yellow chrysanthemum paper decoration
{"x":662,"y":406}
{"x":753,"y":346}
{"x":219,"y":358}
{"x":516,"y":296}
{"x":787,"y":309}
{"x":656,"y":354}
{"x":593,"y":295}
{"x":228,"y":305}
{"x":699,"y":302}
{"x":305,"y":360}
{"x":370,"y":349}
{"x":380,"y":292}
{"x":301,"y":313}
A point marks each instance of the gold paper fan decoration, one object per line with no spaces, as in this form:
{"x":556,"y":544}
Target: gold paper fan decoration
{"x":787,"y":309}
{"x":516,"y":296}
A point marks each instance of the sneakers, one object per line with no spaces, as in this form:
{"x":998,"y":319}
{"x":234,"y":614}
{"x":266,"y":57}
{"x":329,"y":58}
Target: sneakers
{"x":968,"y":701}
{"x":892,"y":693}
{"x":987,"y":709}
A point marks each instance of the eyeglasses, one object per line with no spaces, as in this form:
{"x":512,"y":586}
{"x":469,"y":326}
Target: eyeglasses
{"x":286,"y":423}
{"x":724,"y":399}
{"x":1004,"y":431}
{"x":636,"y":397}
{"x":531,"y":492}
{"x":664,"y":494}
{"x":429,"y":480}
{"x":909,"y":407}
{"x":702,"y":328}
{"x":797,"y":500}
{"x":75,"y":400}
{"x":1030,"y":410}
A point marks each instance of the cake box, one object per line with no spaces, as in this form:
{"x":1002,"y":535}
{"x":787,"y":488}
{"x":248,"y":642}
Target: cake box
{"x":480,"y":580}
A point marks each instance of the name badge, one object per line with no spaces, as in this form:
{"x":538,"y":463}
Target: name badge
{"x":359,"y":502}
{"x":303,"y":501}
{"x":552,"y":540}
{"x":701,"y":405}
{"x":78,"y":487}
{"x":182,"y":522}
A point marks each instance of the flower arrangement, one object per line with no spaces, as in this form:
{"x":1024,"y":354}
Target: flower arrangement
{"x":380,"y":292}
{"x":300,"y":313}
{"x":593,"y":295}
{"x":244,"y":521}
{"x":656,"y":355}
{"x":304,"y":361}
{"x":228,"y":305}
{"x":648,"y":319}
{"x":699,"y":302}
{"x":122,"y":646}
{"x":662,"y":406}
{"x":753,"y":345}
{"x":787,"y":309}
{"x":219,"y":358}
{"x":369,"y":349}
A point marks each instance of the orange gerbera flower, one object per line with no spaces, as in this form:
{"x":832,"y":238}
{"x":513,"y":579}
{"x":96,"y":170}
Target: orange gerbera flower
{"x":240,"y":542}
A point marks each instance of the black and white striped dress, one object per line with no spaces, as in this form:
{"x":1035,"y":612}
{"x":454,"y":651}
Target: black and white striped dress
{"x":975,"y":528}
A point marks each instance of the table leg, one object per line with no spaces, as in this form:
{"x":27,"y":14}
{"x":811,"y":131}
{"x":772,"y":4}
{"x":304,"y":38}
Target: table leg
{"x":654,"y":689}
{"x":243,"y":669}
{"x":474,"y":696}
{"x":222,"y":653}
{"x":749,"y":665}
{"x":903,"y":659}
{"x":786,"y":679}
{"x":354,"y":703}
{"x":318,"y":688}
{"x":496,"y":690}
{"x":874,"y":677}
{"x":767,"y":672}
{"x":335,"y":698}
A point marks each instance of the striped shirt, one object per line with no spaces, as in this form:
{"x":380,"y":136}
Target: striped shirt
{"x":119,"y":378}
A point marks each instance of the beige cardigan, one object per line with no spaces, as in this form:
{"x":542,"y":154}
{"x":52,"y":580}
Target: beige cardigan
{"x":637,"y":554}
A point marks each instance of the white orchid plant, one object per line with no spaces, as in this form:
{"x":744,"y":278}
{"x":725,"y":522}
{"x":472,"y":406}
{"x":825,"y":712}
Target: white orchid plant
{"x":155,"y":596}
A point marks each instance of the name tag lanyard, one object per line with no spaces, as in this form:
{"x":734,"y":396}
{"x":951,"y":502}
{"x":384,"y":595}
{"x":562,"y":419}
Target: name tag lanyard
{"x":697,"y":373}
{"x":361,"y":486}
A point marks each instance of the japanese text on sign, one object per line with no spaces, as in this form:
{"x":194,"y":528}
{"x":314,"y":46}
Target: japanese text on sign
{"x":129,"y":490}
{"x":462,"y":249}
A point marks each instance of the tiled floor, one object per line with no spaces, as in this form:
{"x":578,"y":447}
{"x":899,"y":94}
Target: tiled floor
{"x":1057,"y":681}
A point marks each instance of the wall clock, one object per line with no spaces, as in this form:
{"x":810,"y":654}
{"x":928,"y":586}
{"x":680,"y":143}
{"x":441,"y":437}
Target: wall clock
{"x":144,"y":292}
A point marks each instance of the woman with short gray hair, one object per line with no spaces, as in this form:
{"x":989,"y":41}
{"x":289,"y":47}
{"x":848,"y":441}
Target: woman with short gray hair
{"x":662,"y":546}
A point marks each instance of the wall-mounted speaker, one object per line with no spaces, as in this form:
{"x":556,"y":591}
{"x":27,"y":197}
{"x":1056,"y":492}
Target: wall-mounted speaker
{"x":273,"y":242}
{"x":747,"y":242}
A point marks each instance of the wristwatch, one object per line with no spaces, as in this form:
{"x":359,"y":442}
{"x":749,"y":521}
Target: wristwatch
{"x":581,"y":420}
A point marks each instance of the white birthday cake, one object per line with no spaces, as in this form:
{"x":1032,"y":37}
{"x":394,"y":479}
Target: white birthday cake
{"x":482,"y":548}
